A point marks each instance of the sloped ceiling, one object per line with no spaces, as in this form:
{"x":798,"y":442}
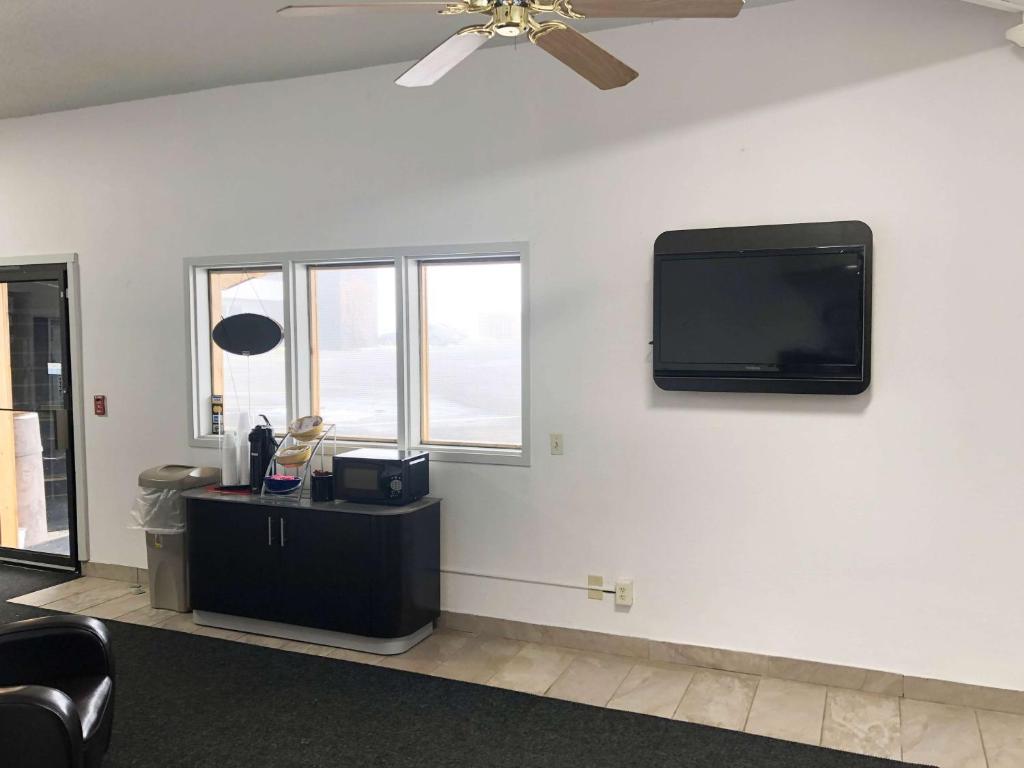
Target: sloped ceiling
{"x":65,"y":54}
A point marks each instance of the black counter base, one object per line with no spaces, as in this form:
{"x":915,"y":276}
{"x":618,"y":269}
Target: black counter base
{"x":349,"y":575}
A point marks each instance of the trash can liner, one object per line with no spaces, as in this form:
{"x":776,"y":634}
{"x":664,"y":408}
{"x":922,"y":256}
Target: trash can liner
{"x":158,"y":506}
{"x":158,"y":510}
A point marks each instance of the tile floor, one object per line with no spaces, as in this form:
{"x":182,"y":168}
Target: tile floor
{"x":856,"y":721}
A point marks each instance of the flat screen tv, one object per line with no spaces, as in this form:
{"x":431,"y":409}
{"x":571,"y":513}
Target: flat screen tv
{"x":764,"y":309}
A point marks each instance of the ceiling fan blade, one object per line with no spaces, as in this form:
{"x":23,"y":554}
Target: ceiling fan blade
{"x":339,"y":8}
{"x":658,"y":9}
{"x":442,"y":60}
{"x":586,"y":58}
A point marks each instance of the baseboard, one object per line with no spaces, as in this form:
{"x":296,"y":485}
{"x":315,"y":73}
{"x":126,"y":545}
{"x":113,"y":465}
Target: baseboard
{"x":820,"y":673}
{"x":115,"y":572}
{"x":740,"y":662}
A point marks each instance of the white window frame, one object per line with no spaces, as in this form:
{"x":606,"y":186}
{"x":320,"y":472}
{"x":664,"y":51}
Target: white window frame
{"x":294,"y":267}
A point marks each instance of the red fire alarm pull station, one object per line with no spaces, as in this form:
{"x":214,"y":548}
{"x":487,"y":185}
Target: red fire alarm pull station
{"x":99,"y":405}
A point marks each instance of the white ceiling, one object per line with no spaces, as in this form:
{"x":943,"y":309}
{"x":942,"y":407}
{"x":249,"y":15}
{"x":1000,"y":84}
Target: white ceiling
{"x":65,"y":54}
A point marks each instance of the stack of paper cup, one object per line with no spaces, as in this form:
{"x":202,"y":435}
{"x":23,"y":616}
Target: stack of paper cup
{"x":229,"y":459}
{"x":243,"y":448}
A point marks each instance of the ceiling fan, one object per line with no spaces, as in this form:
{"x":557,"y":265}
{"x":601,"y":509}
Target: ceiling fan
{"x":511,"y":18}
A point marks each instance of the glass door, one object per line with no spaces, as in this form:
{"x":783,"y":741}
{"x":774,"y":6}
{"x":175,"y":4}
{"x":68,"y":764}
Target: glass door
{"x":37,"y":482}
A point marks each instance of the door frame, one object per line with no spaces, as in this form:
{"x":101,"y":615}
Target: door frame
{"x":74,"y":316}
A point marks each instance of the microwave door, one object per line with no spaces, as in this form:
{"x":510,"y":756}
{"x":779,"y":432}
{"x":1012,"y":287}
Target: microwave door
{"x":361,"y":480}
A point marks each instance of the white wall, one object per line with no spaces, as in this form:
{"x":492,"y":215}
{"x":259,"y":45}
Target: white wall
{"x":883,"y":531}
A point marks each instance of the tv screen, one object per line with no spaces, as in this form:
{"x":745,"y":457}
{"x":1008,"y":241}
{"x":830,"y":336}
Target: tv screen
{"x":771,"y":319}
{"x":765,"y":313}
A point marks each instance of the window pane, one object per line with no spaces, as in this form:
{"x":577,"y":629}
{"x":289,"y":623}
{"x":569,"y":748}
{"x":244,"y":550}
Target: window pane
{"x":353,"y":354}
{"x":471,"y":352}
{"x":240,"y":379}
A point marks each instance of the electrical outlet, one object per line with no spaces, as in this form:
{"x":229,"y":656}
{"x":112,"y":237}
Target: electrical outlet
{"x":557,"y":444}
{"x":596,"y":584}
{"x":624,"y":592}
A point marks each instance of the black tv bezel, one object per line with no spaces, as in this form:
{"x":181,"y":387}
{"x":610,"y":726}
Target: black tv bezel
{"x":762,"y":241}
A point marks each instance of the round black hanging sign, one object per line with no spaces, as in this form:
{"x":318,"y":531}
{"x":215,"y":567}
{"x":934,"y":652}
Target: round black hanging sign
{"x":247,"y":334}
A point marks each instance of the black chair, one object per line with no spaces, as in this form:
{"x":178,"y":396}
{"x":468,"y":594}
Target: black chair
{"x":56,"y":693}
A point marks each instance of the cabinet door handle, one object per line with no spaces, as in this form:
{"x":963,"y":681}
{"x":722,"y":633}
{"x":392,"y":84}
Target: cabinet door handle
{"x":270,"y":533}
{"x":282,"y":531}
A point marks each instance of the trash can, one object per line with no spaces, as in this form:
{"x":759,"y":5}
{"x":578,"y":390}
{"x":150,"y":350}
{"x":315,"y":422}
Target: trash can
{"x":160,"y":511}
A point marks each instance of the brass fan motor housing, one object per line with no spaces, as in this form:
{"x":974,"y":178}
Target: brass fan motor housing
{"x":510,"y":20}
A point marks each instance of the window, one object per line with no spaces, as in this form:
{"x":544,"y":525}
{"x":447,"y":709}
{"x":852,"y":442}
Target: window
{"x":252,"y":384}
{"x":413,"y":348}
{"x":353,"y":350}
{"x":471,"y":353}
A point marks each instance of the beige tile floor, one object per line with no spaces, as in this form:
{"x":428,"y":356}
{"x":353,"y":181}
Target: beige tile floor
{"x":855,"y":721}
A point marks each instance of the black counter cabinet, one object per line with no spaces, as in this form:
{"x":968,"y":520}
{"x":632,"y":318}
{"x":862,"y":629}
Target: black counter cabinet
{"x":335,"y":573}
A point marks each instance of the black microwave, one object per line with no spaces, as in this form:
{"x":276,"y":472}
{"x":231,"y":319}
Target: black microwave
{"x":376,"y":476}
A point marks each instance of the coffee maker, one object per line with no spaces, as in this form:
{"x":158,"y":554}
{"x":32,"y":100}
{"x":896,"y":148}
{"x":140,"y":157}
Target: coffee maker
{"x":262,"y":447}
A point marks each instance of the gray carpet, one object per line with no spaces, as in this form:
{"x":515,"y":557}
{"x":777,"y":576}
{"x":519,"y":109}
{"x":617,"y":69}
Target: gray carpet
{"x":184,"y":700}
{"x":16,"y":581}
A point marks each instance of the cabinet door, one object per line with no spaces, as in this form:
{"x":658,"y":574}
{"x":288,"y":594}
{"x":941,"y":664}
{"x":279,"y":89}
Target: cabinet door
{"x":325,"y":557}
{"x":234,"y":559}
